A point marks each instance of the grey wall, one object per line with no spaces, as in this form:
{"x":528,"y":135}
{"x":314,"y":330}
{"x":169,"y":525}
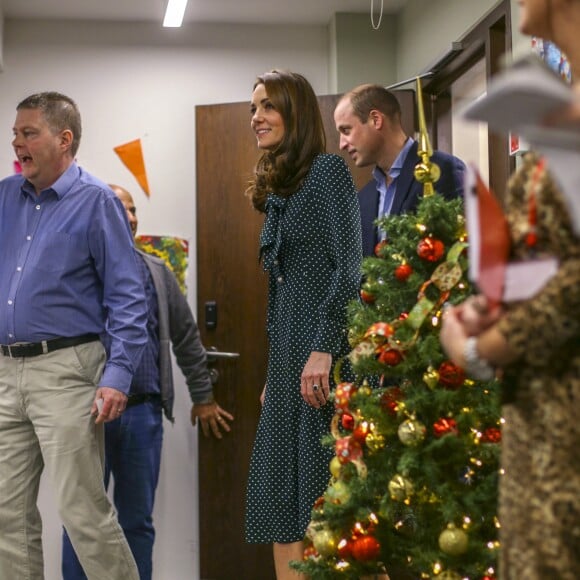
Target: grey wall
{"x":363,"y":54}
{"x":427,"y":28}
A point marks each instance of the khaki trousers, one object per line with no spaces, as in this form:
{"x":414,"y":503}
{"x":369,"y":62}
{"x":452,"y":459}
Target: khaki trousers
{"x":45,"y":421}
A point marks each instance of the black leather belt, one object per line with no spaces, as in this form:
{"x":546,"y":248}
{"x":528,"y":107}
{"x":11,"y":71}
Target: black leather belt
{"x":27,"y":349}
{"x":139,"y":398}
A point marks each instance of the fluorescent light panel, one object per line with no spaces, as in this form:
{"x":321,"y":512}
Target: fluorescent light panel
{"x":174,"y":13}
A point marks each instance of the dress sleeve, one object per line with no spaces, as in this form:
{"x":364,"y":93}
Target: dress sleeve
{"x":343,"y":231}
{"x":538,"y":329}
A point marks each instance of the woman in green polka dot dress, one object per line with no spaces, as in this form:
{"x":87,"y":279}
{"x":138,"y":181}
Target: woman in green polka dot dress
{"x":311,"y":247}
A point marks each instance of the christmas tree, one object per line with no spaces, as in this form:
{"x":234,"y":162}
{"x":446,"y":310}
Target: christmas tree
{"x":413,"y":485}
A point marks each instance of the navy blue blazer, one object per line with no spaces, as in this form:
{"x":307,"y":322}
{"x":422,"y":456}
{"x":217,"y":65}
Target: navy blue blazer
{"x":408,"y":192}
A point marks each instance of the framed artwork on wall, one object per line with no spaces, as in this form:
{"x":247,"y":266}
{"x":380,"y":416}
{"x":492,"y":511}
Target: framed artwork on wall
{"x":172,"y":250}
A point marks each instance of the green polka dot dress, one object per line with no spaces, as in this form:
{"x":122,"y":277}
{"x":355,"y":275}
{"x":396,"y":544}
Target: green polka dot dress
{"x":311,"y":247}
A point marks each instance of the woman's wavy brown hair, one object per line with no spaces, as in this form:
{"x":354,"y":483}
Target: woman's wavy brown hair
{"x":283,"y":170}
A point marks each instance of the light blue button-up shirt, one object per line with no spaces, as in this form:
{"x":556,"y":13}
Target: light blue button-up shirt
{"x":68,"y":268}
{"x":387,"y":192}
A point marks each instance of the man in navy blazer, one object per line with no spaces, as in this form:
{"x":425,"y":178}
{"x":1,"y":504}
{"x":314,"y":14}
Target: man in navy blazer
{"x":368,"y":119}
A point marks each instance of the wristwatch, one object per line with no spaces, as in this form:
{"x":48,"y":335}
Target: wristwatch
{"x":476,"y":367}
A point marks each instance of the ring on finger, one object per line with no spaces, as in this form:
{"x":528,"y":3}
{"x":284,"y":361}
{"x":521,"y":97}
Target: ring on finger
{"x":315,"y":388}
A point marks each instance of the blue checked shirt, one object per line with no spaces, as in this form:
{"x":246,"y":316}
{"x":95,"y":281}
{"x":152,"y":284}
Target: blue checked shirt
{"x":68,"y":268}
{"x":146,"y":378}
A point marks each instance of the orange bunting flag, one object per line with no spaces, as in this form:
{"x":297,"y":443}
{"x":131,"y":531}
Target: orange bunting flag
{"x":131,"y":155}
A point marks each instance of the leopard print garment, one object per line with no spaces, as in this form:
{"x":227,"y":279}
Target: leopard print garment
{"x":540,"y":486}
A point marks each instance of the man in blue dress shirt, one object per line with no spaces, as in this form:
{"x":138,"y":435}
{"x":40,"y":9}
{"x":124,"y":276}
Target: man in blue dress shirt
{"x":133,"y":442}
{"x":368,"y":119}
{"x":68,"y":276}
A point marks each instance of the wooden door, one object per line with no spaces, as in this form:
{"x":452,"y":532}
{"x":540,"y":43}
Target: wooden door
{"x":228,"y":274}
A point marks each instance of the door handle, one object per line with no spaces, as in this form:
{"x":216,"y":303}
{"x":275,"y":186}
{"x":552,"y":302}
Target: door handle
{"x":214,"y":353}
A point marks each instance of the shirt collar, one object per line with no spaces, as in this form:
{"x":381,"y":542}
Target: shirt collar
{"x":61,"y":186}
{"x":397,"y":165}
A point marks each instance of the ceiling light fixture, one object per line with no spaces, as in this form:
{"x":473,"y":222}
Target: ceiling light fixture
{"x":174,"y":13}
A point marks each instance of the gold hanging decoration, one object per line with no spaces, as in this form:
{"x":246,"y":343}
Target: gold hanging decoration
{"x":426,"y":172}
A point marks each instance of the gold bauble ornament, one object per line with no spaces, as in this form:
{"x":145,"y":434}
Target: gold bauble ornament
{"x":411,"y":432}
{"x":375,"y":442}
{"x":324,"y":542}
{"x":365,"y":390}
{"x":400,"y":488}
{"x":338,"y":492}
{"x":453,"y":541}
{"x":335,"y":467}
{"x":427,"y":172}
{"x":431,"y":377}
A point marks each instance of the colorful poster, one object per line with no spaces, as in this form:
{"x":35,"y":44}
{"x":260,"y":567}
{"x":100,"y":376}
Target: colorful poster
{"x":173,"y":251}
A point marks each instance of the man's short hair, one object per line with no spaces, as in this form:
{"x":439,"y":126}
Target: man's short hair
{"x":60,"y":112}
{"x":365,"y":98}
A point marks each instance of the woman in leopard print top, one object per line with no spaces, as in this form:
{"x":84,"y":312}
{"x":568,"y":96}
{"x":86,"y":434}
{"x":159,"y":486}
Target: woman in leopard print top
{"x":536,"y":345}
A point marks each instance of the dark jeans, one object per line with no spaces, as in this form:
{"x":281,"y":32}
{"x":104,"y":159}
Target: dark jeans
{"x":132,"y":456}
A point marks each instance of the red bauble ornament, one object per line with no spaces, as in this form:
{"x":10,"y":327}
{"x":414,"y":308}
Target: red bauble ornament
{"x":430,"y":249}
{"x":444,"y":427}
{"x":403,"y":272}
{"x":390,"y":399}
{"x":344,"y":549}
{"x":450,"y":375}
{"x":403,"y":316}
{"x":360,"y":433}
{"x":390,"y":357}
{"x":347,"y":421}
{"x":366,"y":296}
{"x":379,"y":247}
{"x":366,"y":548}
{"x":342,"y":395}
{"x":491,"y":435}
{"x":310,"y":553}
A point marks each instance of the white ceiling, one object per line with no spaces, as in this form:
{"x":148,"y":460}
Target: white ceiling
{"x":238,"y":11}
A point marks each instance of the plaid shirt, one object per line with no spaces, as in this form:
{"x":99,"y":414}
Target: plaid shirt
{"x":146,"y":378}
